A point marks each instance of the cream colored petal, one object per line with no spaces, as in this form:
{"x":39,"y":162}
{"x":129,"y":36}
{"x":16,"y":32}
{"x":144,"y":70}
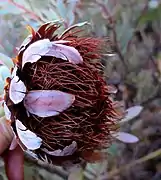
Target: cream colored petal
{"x":34,"y":52}
{"x":45,"y":103}
{"x":27,"y":137}
{"x":17,"y":90}
{"x":25,"y":43}
{"x":112,"y":89}
{"x":65,"y":52}
{"x":55,"y":49}
{"x":14,"y":72}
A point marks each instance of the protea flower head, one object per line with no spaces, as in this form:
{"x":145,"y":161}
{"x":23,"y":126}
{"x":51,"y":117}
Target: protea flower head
{"x":57,"y":99}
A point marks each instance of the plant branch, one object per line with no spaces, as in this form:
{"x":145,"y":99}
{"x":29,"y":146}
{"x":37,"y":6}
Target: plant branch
{"x":48,"y":167}
{"x":149,"y":100}
{"x":136,"y":23}
{"x":27,"y":11}
{"x":54,"y":169}
{"x":118,"y":49}
{"x":134,"y":163}
{"x":111,"y":21}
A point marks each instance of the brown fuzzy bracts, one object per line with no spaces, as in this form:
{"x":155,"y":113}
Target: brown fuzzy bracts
{"x":91,"y":117}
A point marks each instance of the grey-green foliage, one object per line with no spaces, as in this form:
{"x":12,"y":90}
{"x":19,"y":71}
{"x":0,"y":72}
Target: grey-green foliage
{"x":18,"y":13}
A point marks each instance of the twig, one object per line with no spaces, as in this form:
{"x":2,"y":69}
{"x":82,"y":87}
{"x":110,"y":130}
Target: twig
{"x":150,"y":56}
{"x":50,"y":168}
{"x":146,"y":102}
{"x":31,"y":13}
{"x":136,"y":162}
{"x":118,"y":49}
{"x":136,"y":23}
{"x":105,"y":11}
{"x":111,"y":20}
{"x":143,"y":12}
{"x":28,"y":1}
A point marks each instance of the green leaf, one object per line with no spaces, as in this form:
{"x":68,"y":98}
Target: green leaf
{"x":71,"y":18}
{"x":1,"y":111}
{"x":4,"y":72}
{"x":113,"y":149}
{"x":71,"y":7}
{"x":4,"y":59}
{"x":62,"y":10}
{"x":124,"y":36}
{"x":77,"y":174}
{"x":10,"y":8}
{"x":151,"y":15}
{"x":2,"y":83}
{"x":52,"y":15}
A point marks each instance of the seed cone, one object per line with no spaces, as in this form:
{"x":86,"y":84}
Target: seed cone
{"x":88,"y":121}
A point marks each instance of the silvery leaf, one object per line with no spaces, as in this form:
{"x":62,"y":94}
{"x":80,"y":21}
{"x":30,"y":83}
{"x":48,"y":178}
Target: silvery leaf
{"x":125,"y":137}
{"x":132,"y":112}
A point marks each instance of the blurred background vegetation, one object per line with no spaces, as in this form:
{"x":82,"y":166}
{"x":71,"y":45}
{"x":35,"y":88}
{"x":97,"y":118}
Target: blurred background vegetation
{"x":134,"y":67}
